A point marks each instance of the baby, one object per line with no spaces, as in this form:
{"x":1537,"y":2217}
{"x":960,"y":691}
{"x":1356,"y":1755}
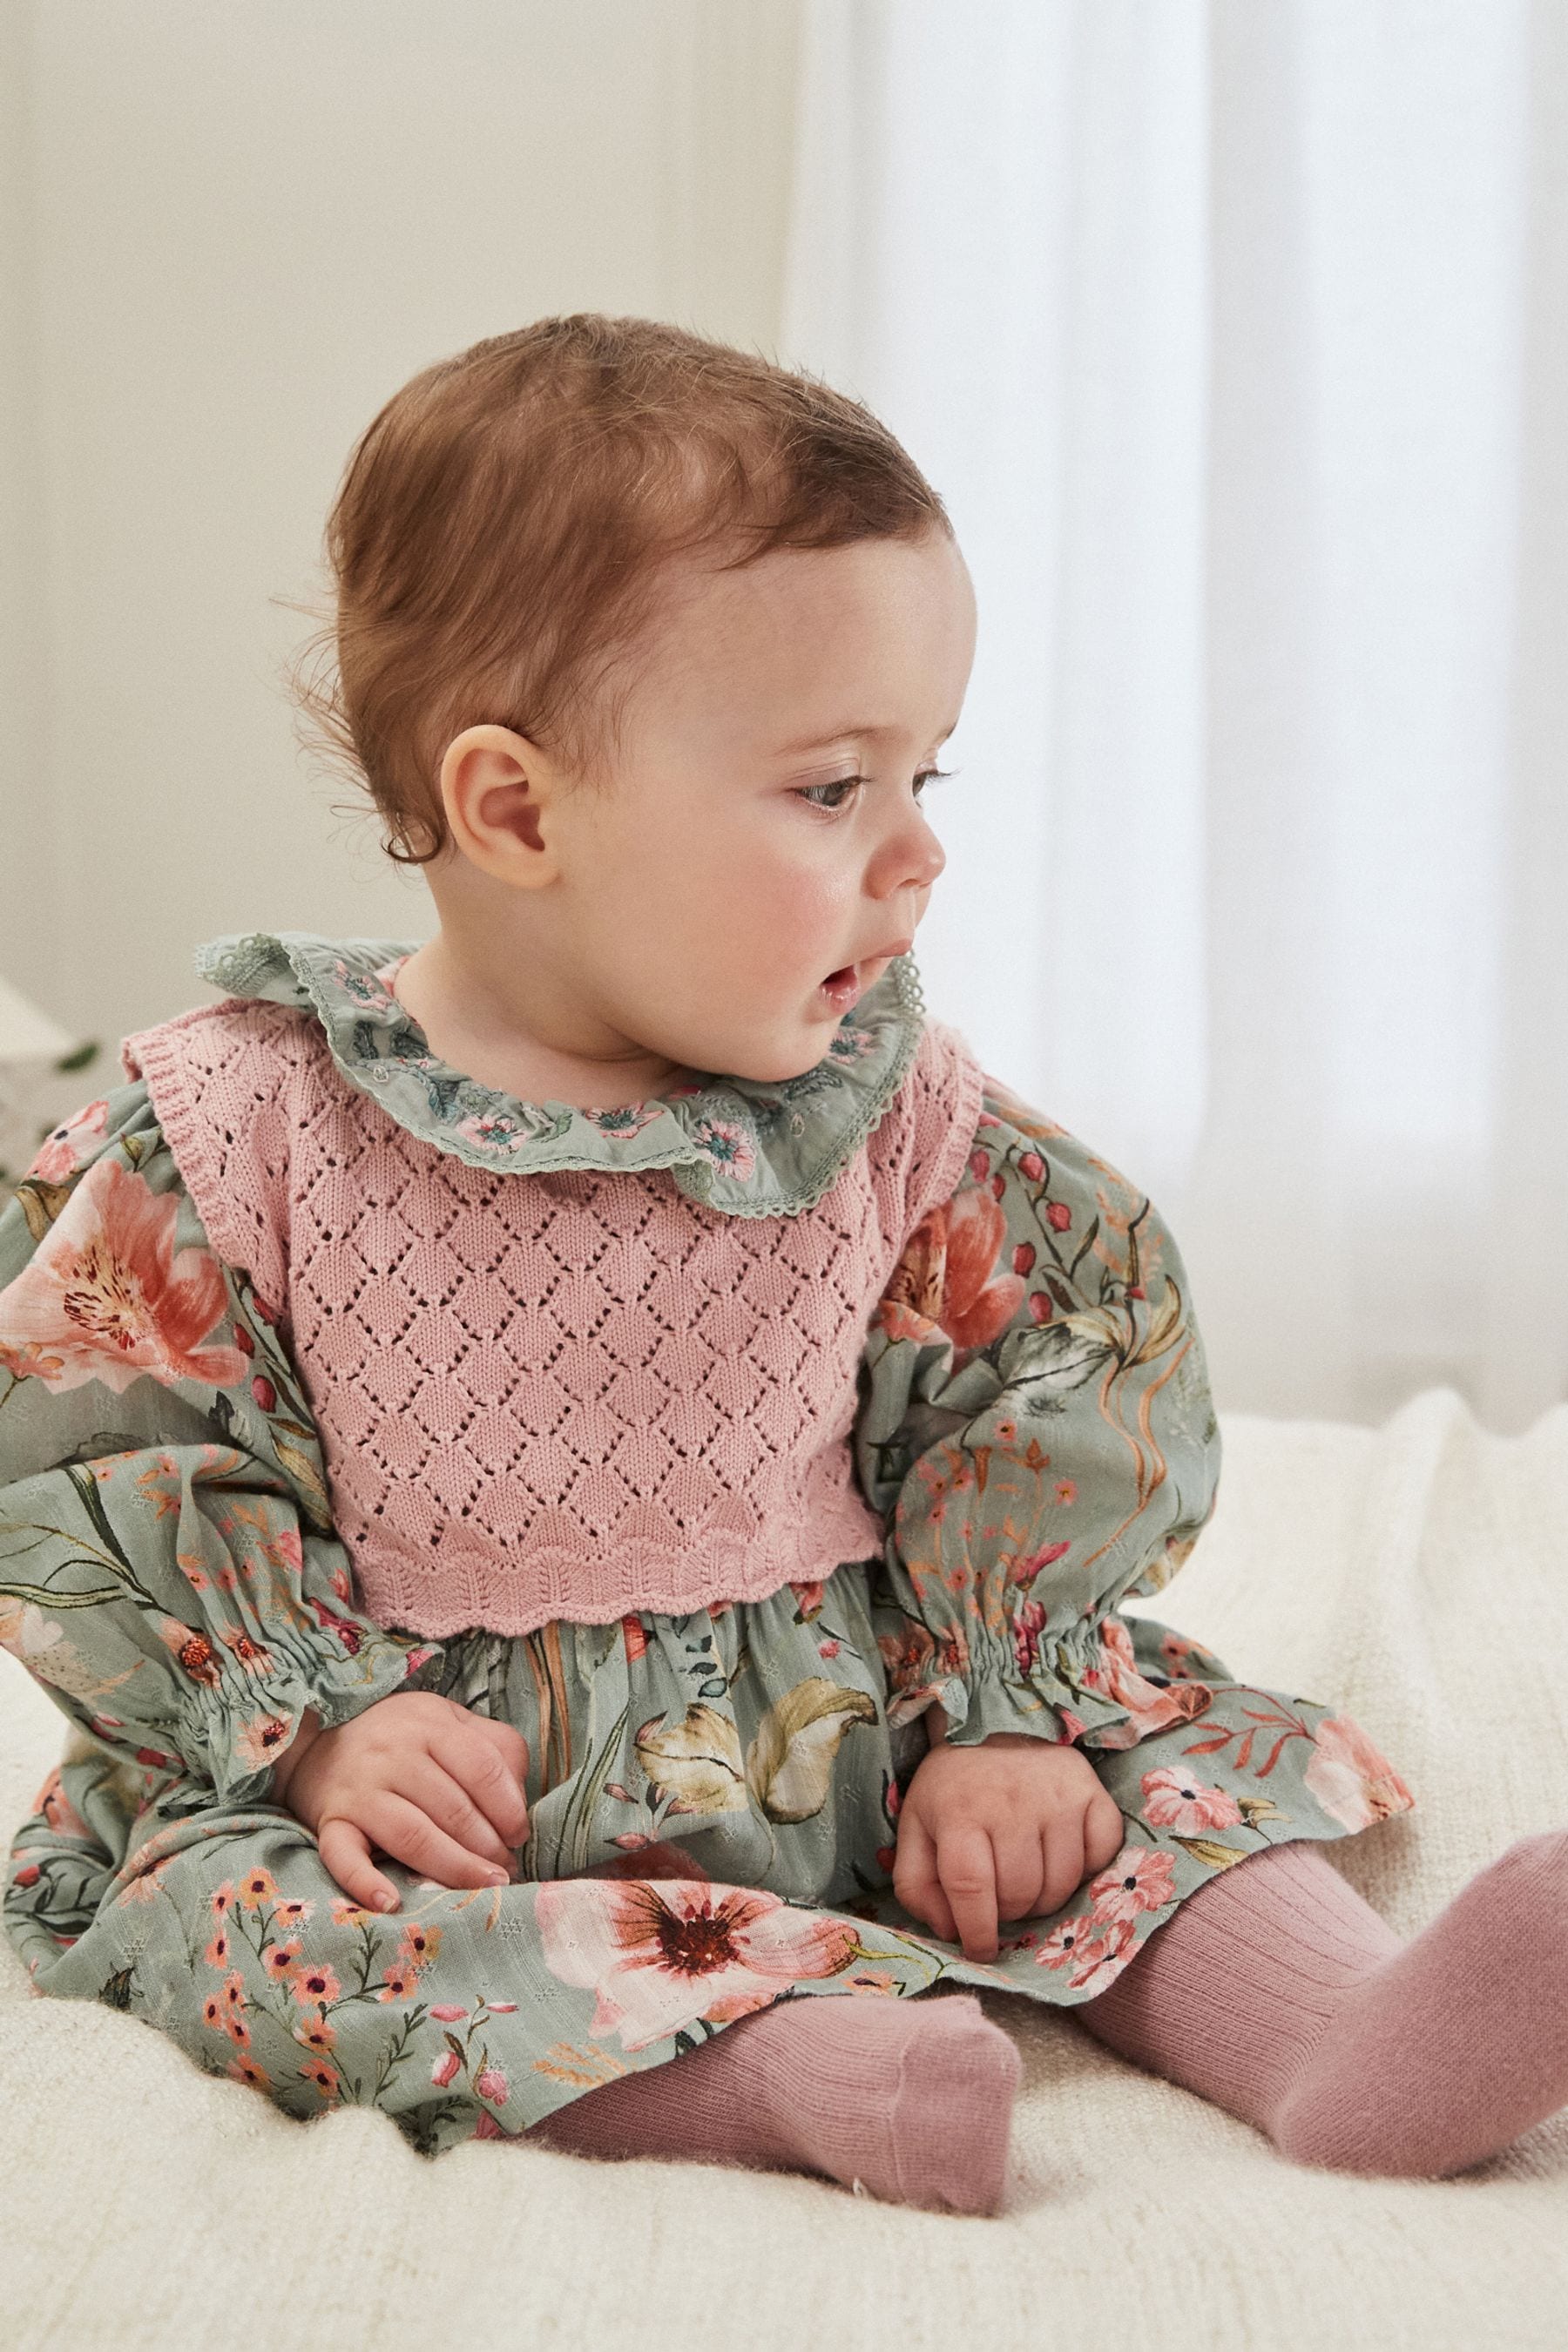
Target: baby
{"x":608,"y":1434}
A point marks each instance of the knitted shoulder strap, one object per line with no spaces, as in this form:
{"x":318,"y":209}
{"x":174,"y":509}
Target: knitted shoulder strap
{"x":231,"y":1084}
{"x":945,"y":1085}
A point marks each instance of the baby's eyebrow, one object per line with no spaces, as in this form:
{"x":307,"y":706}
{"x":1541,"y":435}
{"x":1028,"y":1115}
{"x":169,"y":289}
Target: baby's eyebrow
{"x":851,"y":727}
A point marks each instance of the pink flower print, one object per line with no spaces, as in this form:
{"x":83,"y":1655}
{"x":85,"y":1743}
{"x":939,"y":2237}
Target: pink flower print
{"x":31,"y":1363}
{"x":492,"y":2085}
{"x":372,"y":990}
{"x":1028,"y":1625}
{"x":147,"y":1882}
{"x":1150,"y":1706}
{"x":1351,"y":1779}
{"x":448,"y":2012}
{"x":726,"y":1145}
{"x":326,"y":2078}
{"x":70,"y":1146}
{"x":314,"y":1982}
{"x":497,"y":1127}
{"x":160,"y":1485}
{"x":948,"y":1276}
{"x":647,"y":1858}
{"x":1140,"y":1879}
{"x":446,"y":2066}
{"x":851,"y":1044}
{"x":257,"y":1887}
{"x":346,"y":1634}
{"x":419,"y":1944}
{"x":828,"y":1649}
{"x":351,"y":1915}
{"x":623,"y":1119}
{"x":57,"y":1809}
{"x":1024,"y":1569}
{"x":1179,"y":1800}
{"x":1064,"y":1947}
{"x":659,"y":1954}
{"x":1103,"y":1956}
{"x":108,"y":1296}
{"x":1058,"y":1216}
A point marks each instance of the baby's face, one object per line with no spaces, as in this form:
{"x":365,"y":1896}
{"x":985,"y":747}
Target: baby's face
{"x":735,"y":865}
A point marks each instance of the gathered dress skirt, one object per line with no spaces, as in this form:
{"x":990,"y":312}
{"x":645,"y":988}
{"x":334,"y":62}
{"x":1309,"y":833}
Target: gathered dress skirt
{"x":713,"y":1807}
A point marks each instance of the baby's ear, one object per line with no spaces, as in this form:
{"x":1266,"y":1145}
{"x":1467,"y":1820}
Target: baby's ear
{"x":497,"y":790}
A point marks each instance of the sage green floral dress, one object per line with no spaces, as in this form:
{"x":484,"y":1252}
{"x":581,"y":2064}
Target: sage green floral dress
{"x":714,"y":1796}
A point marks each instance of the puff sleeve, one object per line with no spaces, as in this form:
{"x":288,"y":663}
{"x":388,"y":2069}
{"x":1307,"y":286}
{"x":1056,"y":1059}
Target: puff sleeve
{"x":1035,"y":1429}
{"x":168,"y":1569}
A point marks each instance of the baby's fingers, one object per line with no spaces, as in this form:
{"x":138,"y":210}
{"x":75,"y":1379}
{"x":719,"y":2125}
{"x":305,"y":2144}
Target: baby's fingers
{"x":410,"y":1836}
{"x":1104,"y":1830}
{"x":345,"y":1853}
{"x":487,"y":1761}
{"x":968,"y":1868}
{"x":915,"y":1880}
{"x":447,"y":1805}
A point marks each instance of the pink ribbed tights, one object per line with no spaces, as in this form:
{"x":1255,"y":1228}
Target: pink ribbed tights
{"x":1274,"y":1991}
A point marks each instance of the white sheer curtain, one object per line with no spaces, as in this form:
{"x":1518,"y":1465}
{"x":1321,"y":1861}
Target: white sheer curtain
{"x":1236,"y":337}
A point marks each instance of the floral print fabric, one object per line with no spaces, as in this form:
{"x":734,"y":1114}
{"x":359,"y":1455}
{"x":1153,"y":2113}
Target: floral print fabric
{"x":713,"y":1798}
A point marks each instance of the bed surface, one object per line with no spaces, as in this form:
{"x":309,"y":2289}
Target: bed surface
{"x":1415,"y":1575}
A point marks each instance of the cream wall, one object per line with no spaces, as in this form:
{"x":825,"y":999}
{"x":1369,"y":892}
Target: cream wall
{"x":226,"y":235}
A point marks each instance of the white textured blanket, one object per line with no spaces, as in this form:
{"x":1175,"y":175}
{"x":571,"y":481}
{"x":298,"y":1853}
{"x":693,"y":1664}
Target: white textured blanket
{"x":1417,"y":1574}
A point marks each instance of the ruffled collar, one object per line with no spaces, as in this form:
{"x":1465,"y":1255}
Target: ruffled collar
{"x":744,"y":1146}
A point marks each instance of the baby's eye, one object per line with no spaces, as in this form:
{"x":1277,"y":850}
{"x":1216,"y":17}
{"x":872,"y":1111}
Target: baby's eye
{"x":853,"y":783}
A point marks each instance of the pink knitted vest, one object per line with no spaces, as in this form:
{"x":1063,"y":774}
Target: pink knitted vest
{"x":550,"y":1395}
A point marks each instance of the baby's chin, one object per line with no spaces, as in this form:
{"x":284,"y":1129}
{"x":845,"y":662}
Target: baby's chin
{"x":774,"y":1069}
{"x":791,"y":1047}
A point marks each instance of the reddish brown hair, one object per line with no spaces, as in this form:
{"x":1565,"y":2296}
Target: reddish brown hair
{"x":498,"y":536}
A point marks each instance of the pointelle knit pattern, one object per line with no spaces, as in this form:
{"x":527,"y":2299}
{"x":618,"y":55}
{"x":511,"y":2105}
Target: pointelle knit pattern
{"x":573,"y":1392}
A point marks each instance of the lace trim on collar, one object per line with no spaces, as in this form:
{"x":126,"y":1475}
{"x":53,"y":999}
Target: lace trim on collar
{"x":742,"y":1146}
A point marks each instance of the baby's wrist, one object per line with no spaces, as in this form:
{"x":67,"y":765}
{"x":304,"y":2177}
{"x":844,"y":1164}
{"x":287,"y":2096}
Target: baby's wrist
{"x":305,"y":1738}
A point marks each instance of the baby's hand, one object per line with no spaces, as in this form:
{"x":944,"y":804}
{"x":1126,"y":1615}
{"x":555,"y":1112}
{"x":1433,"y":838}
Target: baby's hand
{"x":1005,"y":1830}
{"x":433,"y":1784}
